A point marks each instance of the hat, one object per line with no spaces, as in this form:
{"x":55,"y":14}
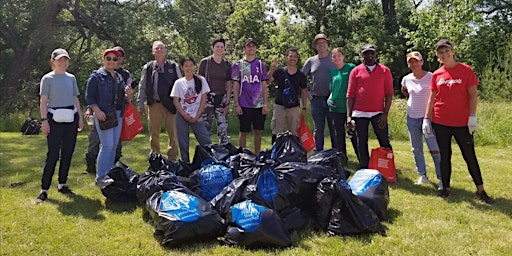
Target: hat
{"x":414,"y":55}
{"x":320,"y":36}
{"x":443,"y":43}
{"x":250,"y":40}
{"x":114,"y":51}
{"x":59,"y":53}
{"x":368,"y":47}
{"x":119,"y":49}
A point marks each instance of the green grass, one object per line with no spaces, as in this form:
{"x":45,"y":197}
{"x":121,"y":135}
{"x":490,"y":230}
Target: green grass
{"x":420,"y":223}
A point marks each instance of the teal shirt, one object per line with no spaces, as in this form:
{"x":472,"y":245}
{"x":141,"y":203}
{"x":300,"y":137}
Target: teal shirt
{"x":338,"y":86}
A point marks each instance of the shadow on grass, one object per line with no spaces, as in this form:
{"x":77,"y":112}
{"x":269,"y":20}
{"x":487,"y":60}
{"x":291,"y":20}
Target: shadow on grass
{"x":117,"y":207}
{"x":458,"y":195}
{"x":80,"y":206}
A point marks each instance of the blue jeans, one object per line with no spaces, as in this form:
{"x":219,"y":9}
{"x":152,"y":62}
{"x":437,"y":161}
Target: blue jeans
{"x":183,"y":129}
{"x":109,"y":139}
{"x":320,"y":112}
{"x":416,"y":138}
{"x":382,"y":134}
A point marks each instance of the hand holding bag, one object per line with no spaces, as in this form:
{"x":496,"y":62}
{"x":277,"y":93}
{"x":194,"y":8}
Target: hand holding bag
{"x":132,"y":125}
{"x":110,"y":120}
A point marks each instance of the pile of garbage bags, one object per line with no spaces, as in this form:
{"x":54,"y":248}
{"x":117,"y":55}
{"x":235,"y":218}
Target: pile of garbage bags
{"x":241,"y":198}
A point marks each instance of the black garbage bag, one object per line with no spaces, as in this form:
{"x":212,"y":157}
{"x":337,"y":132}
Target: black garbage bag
{"x":267,"y":189}
{"x":288,"y":148}
{"x":202,"y":157}
{"x":229,"y":196}
{"x":295,"y":219}
{"x":304,"y":179}
{"x":119,"y":184}
{"x":331,"y":158}
{"x":349,"y":215}
{"x":180,"y":217}
{"x":209,"y":181}
{"x":221,"y":152}
{"x":324,"y":200}
{"x":241,"y":162}
{"x":159,"y":162}
{"x":253,"y":225}
{"x":371,"y":188}
{"x":153,"y":181}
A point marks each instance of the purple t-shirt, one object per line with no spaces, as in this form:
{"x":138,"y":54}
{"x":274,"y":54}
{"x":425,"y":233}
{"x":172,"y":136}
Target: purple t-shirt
{"x":252,"y":74}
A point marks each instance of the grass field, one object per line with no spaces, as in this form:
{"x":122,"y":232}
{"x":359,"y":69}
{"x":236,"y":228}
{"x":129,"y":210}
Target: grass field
{"x":420,"y":223}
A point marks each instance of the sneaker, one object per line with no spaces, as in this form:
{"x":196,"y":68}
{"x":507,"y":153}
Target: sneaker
{"x":440,"y":186}
{"x":484,"y":197}
{"x":445,"y":193}
{"x":66,"y":190}
{"x":422,"y":180}
{"x":41,"y":198}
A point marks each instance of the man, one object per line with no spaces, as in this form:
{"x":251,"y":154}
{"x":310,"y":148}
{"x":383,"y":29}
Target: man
{"x":250,"y":94}
{"x":94,"y":140}
{"x":318,"y":68}
{"x":157,"y":80}
{"x":292,"y":79}
{"x":217,"y":72}
{"x":369,"y":96}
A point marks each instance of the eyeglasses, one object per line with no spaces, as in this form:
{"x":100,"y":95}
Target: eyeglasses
{"x":111,"y":59}
{"x":413,"y":54}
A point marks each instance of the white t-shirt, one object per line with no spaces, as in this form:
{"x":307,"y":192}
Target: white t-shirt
{"x":419,"y":92}
{"x":186,"y":91}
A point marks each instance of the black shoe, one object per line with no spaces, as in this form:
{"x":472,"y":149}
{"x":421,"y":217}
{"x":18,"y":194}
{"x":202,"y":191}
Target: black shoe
{"x":66,"y":190}
{"x":41,"y":198}
{"x":484,"y":197}
{"x":445,"y":193}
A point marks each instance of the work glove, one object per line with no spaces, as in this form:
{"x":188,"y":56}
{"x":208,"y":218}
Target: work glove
{"x":472,"y":124}
{"x":426,"y":127}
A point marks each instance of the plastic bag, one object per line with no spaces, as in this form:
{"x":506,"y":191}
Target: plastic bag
{"x":383,"y":160}
{"x":371,"y":187}
{"x":288,"y":148}
{"x":253,"y":225}
{"x":132,"y":125}
{"x":181,"y":217}
{"x":305,"y":135}
{"x":31,"y":127}
{"x":331,"y":158}
{"x":153,"y":181}
{"x":210,"y":180}
{"x":119,"y":184}
{"x":229,"y":196}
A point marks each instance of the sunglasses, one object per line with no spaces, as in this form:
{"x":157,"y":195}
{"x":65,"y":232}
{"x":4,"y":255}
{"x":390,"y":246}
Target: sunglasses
{"x":413,"y":54}
{"x":111,"y":59}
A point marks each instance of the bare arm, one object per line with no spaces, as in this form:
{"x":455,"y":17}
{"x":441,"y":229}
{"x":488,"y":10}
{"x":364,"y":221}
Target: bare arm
{"x":473,"y":99}
{"x":236,"y":90}
{"x":80,"y":117}
{"x":430,"y":105}
{"x":43,"y":107}
{"x":273,"y":67}
{"x":202,"y":105}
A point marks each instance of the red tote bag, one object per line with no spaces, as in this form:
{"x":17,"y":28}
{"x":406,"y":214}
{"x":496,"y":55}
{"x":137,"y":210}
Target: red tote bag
{"x":132,"y":125}
{"x":305,"y":135}
{"x":383,"y":160}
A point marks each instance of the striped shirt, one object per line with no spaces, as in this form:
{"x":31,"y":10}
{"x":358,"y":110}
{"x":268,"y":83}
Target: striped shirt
{"x":419,"y":92}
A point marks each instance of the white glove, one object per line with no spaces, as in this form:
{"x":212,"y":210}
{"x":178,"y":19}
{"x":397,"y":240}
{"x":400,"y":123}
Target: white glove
{"x":472,"y":124}
{"x":426,"y":127}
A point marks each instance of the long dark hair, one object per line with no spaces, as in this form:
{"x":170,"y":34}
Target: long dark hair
{"x":197,"y":80}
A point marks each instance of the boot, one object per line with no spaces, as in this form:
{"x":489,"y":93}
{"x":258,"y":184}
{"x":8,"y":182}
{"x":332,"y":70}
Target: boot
{"x":91,"y":166}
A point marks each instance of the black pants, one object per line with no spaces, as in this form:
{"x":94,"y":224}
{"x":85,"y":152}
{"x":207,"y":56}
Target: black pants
{"x":465,"y":141}
{"x":340,"y":120}
{"x":362,"y":124}
{"x":61,"y":144}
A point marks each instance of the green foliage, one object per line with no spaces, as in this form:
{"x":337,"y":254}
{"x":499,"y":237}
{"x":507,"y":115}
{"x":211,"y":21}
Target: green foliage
{"x":496,"y":82}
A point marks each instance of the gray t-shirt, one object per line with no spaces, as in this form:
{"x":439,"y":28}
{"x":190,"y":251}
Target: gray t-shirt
{"x":319,"y":69}
{"x":60,"y":89}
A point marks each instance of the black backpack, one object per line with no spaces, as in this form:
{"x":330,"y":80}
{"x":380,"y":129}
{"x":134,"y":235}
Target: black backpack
{"x":31,"y":127}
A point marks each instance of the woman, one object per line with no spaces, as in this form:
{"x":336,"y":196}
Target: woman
{"x":451,"y":112}
{"x":337,"y":100}
{"x":291,"y":80}
{"x":106,"y":95}
{"x":416,"y":86}
{"x":61,"y":120}
{"x":189,"y":96}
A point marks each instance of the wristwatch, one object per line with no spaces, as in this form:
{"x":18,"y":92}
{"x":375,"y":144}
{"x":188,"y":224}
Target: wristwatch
{"x":44,"y":119}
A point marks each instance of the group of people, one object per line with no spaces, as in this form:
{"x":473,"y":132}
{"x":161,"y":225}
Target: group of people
{"x":347,"y":97}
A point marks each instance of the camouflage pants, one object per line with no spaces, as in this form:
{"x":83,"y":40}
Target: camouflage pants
{"x":215,"y":110}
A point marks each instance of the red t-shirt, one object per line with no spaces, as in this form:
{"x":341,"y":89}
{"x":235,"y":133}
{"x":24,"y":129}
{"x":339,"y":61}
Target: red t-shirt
{"x":451,"y":107}
{"x":369,"y":89}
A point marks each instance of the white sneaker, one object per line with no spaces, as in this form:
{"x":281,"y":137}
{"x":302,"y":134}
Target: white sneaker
{"x":422,"y":180}
{"x":440,"y":186}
